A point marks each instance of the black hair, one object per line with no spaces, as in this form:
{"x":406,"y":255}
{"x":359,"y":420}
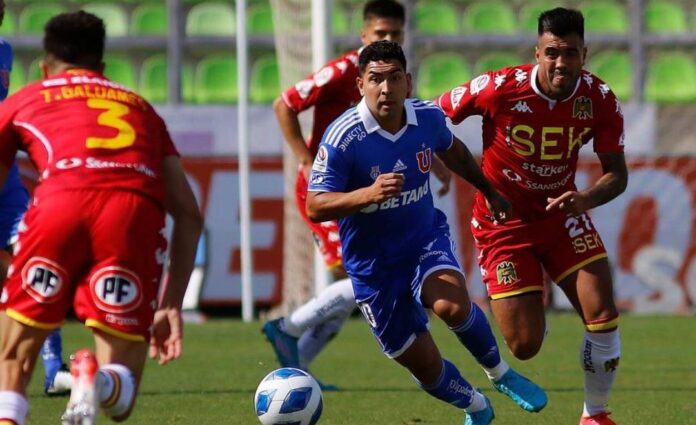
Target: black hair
{"x":2,"y":11}
{"x":384,"y":9}
{"x":381,"y":51}
{"x":76,"y":38}
{"x":561,"y":22}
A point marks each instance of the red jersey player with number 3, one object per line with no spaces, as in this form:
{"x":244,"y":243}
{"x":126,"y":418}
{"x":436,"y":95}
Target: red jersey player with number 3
{"x":92,"y":237}
{"x":535,"y":120}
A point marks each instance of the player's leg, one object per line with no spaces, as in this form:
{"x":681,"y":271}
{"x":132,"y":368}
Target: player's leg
{"x":442,"y":380}
{"x":445,"y":292}
{"x":400,"y":325}
{"x":19,"y":350}
{"x":56,"y":380}
{"x":590,"y":290}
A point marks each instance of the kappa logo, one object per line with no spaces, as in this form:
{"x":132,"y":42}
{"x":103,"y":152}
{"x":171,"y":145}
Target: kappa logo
{"x":506,"y":273}
{"x":588,"y":80}
{"x":582,"y":108}
{"x":116,"y":290}
{"x":43,"y":279}
{"x":423,"y":158}
{"x":521,"y":106}
{"x":520,"y":76}
{"x":604,"y":90}
{"x":399,"y":166}
{"x":499,"y":80}
{"x":479,"y":83}
{"x":321,"y":160}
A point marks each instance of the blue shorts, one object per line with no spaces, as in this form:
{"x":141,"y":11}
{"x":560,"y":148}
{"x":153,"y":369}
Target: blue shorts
{"x":393,"y":305}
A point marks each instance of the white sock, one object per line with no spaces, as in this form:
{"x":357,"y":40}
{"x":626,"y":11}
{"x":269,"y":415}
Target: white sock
{"x":478,"y":403}
{"x":497,"y":372}
{"x":599,"y":358}
{"x":13,"y":406}
{"x":116,"y":389}
{"x":336,"y":299}
{"x":314,"y":339}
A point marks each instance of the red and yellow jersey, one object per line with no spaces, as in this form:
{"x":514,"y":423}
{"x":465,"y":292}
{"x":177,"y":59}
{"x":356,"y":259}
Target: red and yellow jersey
{"x":531,"y":142}
{"x":83,"y":131}
{"x":331,"y":90}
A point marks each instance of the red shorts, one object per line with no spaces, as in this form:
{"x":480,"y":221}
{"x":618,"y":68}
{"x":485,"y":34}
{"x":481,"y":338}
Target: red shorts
{"x":325,"y":234}
{"x":101,"y":251}
{"x":512,"y":255}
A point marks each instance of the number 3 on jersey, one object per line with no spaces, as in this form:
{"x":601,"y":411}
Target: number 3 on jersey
{"x":111,"y":117}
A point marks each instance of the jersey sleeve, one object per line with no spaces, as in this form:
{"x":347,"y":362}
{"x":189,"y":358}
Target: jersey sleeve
{"x":317,"y":87}
{"x":471,"y":98}
{"x":609,"y":132}
{"x":331,"y":166}
{"x":444,"y":138}
{"x":9,"y":137}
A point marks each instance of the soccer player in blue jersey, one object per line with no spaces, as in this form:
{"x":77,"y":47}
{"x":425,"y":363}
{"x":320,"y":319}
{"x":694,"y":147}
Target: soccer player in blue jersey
{"x":14,"y":199}
{"x":372,"y":174}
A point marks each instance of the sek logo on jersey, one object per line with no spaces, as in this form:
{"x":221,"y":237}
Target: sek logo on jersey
{"x":116,"y":290}
{"x":321,"y":160}
{"x":43,"y":279}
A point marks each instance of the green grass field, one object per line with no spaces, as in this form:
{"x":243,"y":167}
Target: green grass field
{"x":224,"y":360}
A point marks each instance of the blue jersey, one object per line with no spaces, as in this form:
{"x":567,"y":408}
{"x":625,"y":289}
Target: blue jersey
{"x":353,"y":152}
{"x":13,"y":197}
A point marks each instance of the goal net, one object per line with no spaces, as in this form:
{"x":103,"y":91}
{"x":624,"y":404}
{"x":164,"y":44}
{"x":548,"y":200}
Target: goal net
{"x":293,"y":43}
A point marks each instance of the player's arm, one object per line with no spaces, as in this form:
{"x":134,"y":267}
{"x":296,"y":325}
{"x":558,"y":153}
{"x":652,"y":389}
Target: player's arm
{"x":325,"y":206}
{"x":188,"y":223}
{"x":292,"y":132}
{"x":458,"y":158}
{"x":443,"y":174}
{"x":612,"y":183}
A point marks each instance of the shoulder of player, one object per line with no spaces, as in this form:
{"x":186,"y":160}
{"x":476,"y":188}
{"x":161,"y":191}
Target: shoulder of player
{"x":426,"y":108}
{"x":344,"y":67}
{"x":344,"y":129}
{"x":595,"y":88}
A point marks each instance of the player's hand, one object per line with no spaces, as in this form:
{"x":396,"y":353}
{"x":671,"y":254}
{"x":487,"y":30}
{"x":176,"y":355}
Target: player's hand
{"x":573,"y":203}
{"x":167,"y":333}
{"x":499,"y":207}
{"x":386,"y":186}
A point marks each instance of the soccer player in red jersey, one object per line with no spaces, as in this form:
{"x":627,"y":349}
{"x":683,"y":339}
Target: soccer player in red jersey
{"x":92,"y":235}
{"x":535,"y":120}
{"x":298,"y":338}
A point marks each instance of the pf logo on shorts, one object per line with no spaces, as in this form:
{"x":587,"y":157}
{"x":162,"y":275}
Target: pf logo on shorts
{"x":116,"y":290}
{"x":43,"y":279}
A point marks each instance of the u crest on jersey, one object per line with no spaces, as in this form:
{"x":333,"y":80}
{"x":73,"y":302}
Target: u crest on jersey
{"x":424,"y":160}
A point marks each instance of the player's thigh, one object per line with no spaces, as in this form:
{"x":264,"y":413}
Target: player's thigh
{"x":591,"y":291}
{"x":119,"y":292}
{"x":112,"y":349}
{"x":422,"y":358}
{"x":522,"y":322}
{"x":444,"y":291}
{"x":51,"y":253}
{"x":394,"y":315}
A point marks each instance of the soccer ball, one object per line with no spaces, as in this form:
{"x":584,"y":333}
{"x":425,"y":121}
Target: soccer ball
{"x":288,"y":396}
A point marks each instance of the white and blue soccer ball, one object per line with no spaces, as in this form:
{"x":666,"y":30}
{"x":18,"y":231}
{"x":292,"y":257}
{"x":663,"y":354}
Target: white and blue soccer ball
{"x":288,"y":396}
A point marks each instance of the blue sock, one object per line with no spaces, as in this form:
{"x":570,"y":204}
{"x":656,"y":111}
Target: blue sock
{"x":450,"y":387}
{"x":52,"y":354}
{"x":476,"y":335}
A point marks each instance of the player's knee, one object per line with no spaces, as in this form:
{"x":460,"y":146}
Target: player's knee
{"x":451,"y":312}
{"x":117,"y":391}
{"x":524,"y":349}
